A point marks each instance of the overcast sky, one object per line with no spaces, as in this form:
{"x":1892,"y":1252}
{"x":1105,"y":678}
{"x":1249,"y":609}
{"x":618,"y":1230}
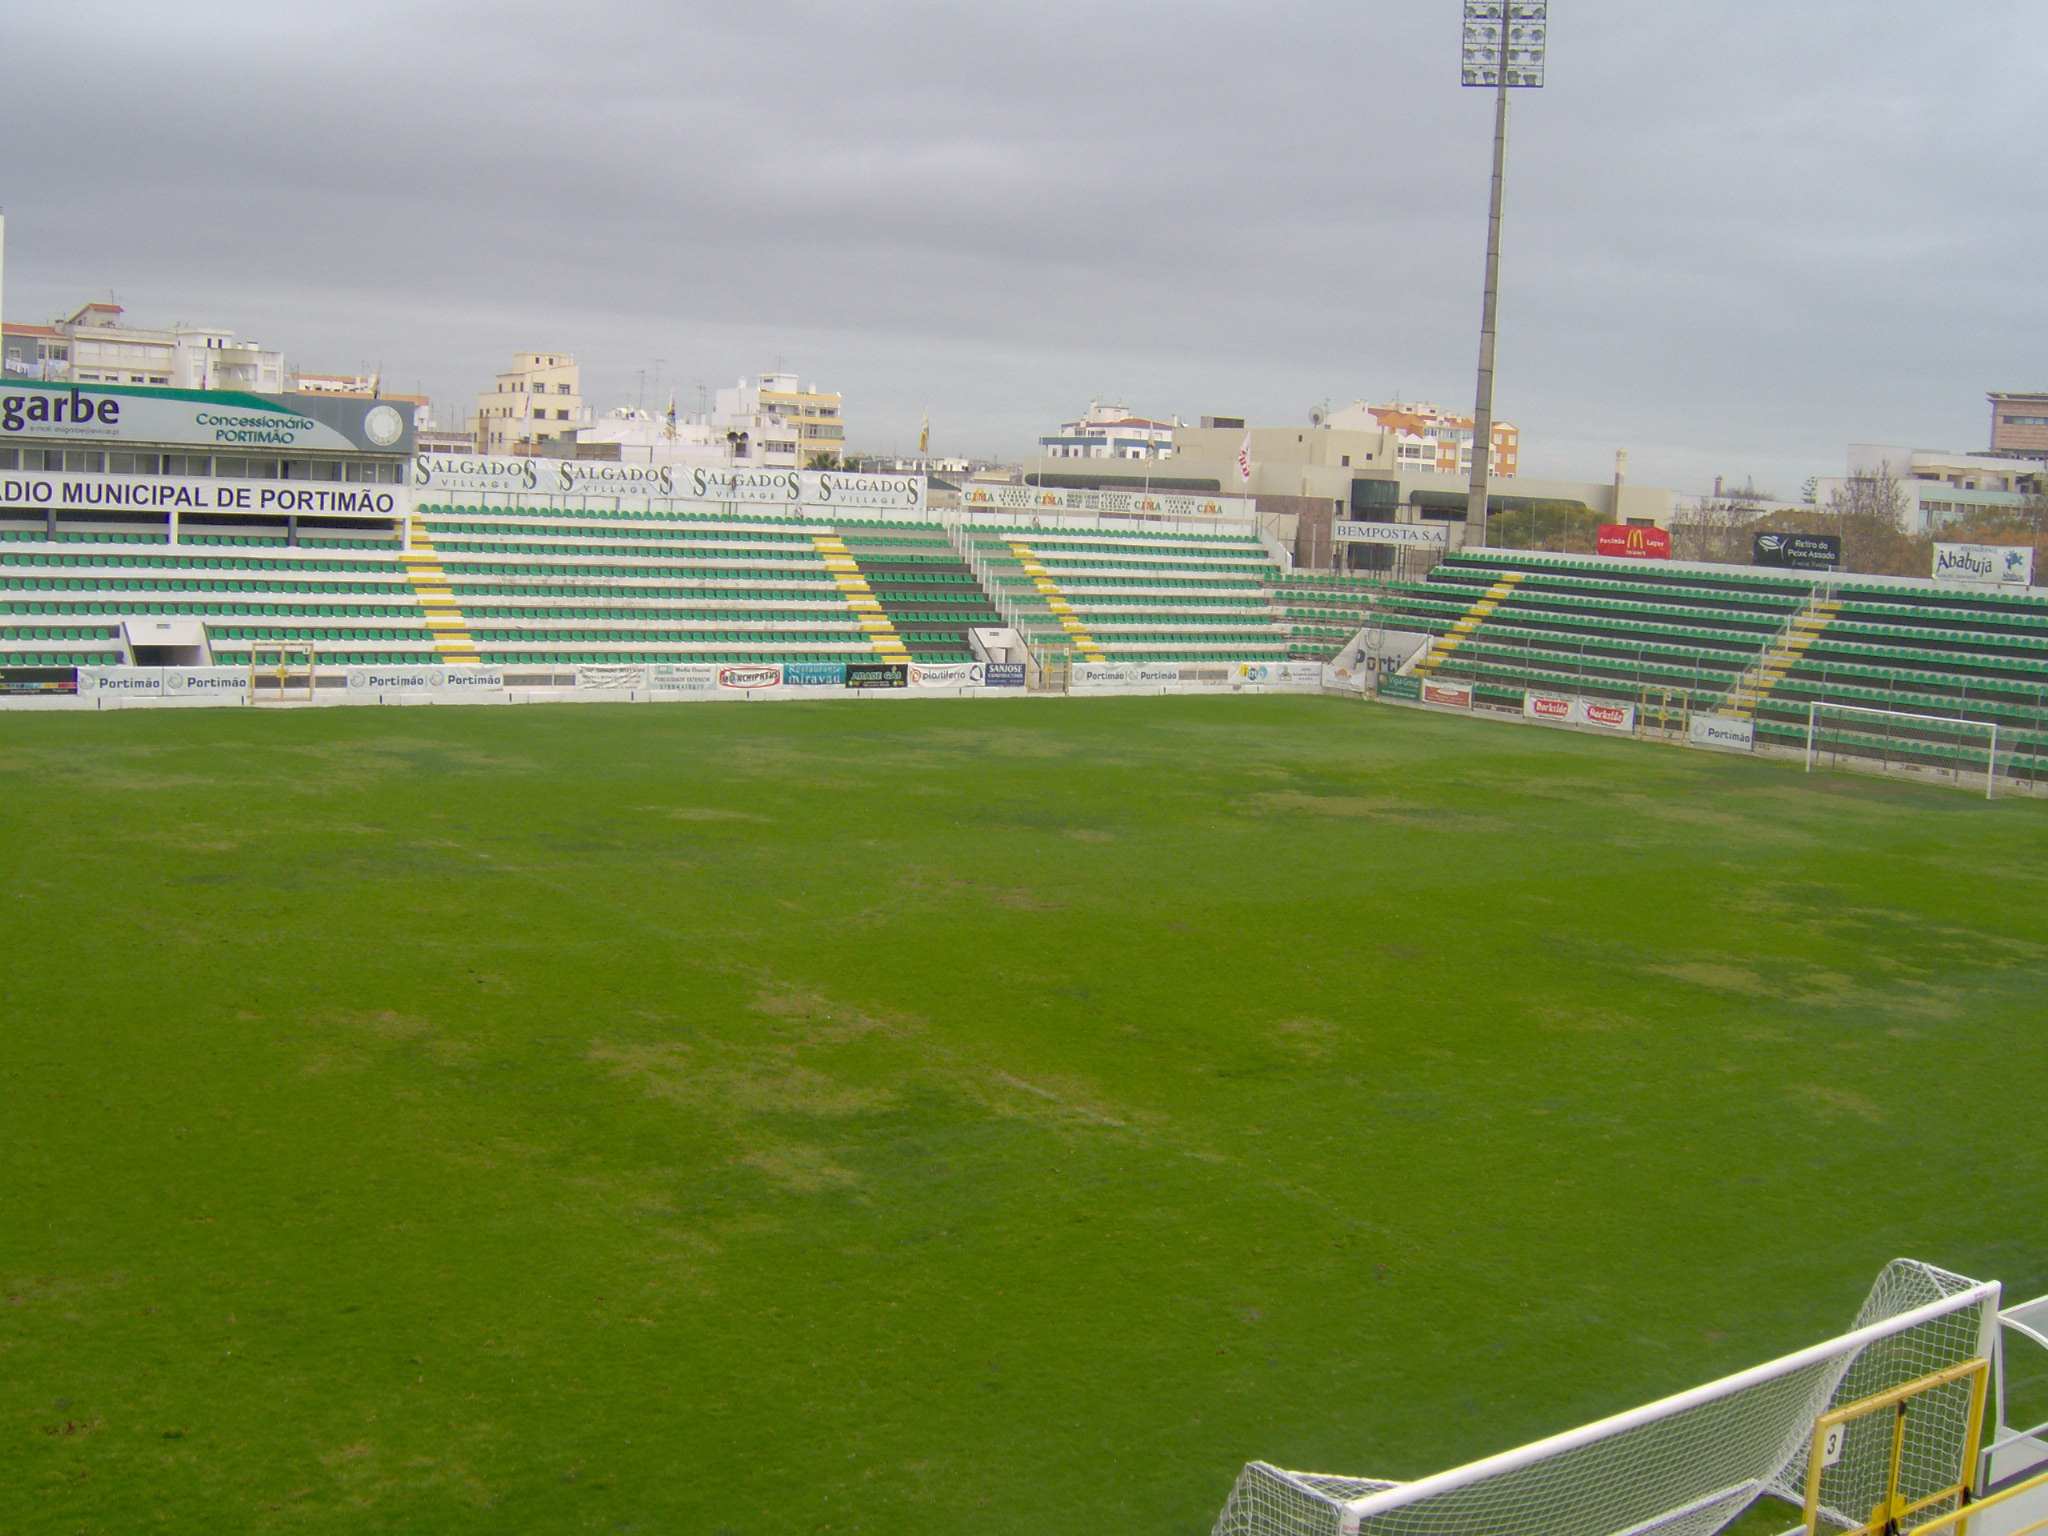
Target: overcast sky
{"x":1741,"y":233}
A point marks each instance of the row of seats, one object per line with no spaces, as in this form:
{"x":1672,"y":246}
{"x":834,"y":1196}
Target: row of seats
{"x":1765,"y":645}
{"x":1128,"y":593}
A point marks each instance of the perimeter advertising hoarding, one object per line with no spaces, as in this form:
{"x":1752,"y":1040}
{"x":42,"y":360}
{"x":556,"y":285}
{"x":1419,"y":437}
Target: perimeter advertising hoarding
{"x":1559,"y":710}
{"x":221,"y":420}
{"x":177,"y":493}
{"x":950,"y":674}
{"x":1003,"y":674}
{"x":820,"y":488}
{"x":877,"y":674}
{"x":1991,"y":565}
{"x":1796,"y":551}
{"x":1141,"y":503}
{"x":1393,"y":686}
{"x":1450,"y":695}
{"x":38,"y":680}
{"x":1399,"y":535}
{"x":1632,"y":543}
{"x":1722,"y":731}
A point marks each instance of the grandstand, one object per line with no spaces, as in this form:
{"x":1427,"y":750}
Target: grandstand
{"x":523,"y":586}
{"x":1122,"y":592}
{"x":1761,"y":646}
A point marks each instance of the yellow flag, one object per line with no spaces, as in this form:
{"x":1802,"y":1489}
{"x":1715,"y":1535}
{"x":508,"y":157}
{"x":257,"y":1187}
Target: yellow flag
{"x":924,"y":434}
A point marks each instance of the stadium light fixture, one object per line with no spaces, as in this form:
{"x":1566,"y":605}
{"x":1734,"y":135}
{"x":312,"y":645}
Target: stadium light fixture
{"x":1504,"y":49}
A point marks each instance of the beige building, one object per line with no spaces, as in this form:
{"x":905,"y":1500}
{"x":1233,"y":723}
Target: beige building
{"x":538,"y":400}
{"x":2019,"y":425}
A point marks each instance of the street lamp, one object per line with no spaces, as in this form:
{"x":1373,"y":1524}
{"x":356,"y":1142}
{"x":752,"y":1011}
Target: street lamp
{"x":1503,"y":49}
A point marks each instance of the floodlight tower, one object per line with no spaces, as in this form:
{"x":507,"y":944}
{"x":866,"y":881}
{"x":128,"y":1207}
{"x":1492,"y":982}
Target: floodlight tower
{"x":1504,"y":49}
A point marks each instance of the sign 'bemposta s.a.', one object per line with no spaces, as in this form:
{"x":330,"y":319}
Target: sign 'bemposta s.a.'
{"x":222,"y":420}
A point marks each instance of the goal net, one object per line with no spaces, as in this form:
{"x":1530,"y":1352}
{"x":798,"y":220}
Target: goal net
{"x":1688,"y":1465}
{"x":1855,"y":736}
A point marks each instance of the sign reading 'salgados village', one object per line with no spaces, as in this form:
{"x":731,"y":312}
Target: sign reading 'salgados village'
{"x":442,"y":474}
{"x":114,"y":415}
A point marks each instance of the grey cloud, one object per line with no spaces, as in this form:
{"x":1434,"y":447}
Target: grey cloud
{"x":1740,"y":234}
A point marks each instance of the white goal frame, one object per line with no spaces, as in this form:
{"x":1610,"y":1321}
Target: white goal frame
{"x":1819,"y":707}
{"x":1688,"y":1464}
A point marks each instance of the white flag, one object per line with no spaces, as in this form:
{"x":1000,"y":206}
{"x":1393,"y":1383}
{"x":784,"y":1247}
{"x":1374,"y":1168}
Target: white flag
{"x":1244,"y":459}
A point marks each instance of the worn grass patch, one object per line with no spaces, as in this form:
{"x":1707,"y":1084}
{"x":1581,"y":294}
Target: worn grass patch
{"x":949,"y":1117}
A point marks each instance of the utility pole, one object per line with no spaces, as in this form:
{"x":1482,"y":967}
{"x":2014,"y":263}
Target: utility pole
{"x":1503,"y":48}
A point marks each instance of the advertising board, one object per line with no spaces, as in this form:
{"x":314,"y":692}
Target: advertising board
{"x":811,"y":488}
{"x":1991,"y":565}
{"x":1399,"y":535}
{"x":110,"y":415}
{"x":1557,"y":709}
{"x":747,"y":676}
{"x":228,"y":684}
{"x":814,"y":674}
{"x":1003,"y":674}
{"x":949,"y":674}
{"x":31,"y":680}
{"x":1796,"y":551}
{"x":619,"y":677}
{"x":1629,"y":542}
{"x":1450,"y":695}
{"x":1140,"y":503}
{"x":682,"y":677}
{"x":877,"y":674}
{"x":1394,"y":687}
{"x":1722,"y":731}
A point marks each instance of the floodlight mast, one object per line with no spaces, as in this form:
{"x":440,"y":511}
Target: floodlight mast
{"x":1503,"y":48}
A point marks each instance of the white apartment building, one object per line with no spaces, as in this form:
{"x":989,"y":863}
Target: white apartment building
{"x":1937,"y":486}
{"x":539,"y":399}
{"x":1110,"y":432}
{"x":91,"y":345}
{"x":772,"y":422}
{"x":640,"y":437}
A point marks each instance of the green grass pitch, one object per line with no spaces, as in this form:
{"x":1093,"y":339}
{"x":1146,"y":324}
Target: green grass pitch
{"x":997,"y":1117}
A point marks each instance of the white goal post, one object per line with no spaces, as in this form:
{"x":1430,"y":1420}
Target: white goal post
{"x":1888,"y":733}
{"x":1688,"y":1465}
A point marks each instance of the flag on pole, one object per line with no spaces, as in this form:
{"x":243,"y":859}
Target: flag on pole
{"x":924,"y":434}
{"x":671,"y":413}
{"x":1244,"y":459}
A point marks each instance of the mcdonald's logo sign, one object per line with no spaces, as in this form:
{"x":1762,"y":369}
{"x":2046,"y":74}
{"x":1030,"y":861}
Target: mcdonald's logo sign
{"x":1632,"y":543}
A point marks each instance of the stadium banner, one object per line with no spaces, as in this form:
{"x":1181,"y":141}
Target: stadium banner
{"x":1399,"y":535}
{"x":1003,"y":674}
{"x":1211,"y":675}
{"x":1632,"y":543}
{"x":1393,"y":686}
{"x":613,"y":677}
{"x":444,"y":680}
{"x":1450,"y":695}
{"x":1991,"y":565}
{"x":1140,"y":503}
{"x":1796,"y":551}
{"x":877,"y":674}
{"x":1101,"y":674}
{"x":1547,"y":706}
{"x":195,"y":496}
{"x":949,"y":674}
{"x":1155,"y":671}
{"x":32,"y":680}
{"x":818,"y":488}
{"x":748,"y":676}
{"x":682,"y":677}
{"x":1722,"y":731}
{"x":814,"y":674}
{"x":110,"y":415}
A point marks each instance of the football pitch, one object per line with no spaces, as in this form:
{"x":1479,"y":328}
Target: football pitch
{"x":993,"y":1117}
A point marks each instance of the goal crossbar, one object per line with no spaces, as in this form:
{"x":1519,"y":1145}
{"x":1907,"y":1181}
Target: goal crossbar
{"x":1684,"y":1465}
